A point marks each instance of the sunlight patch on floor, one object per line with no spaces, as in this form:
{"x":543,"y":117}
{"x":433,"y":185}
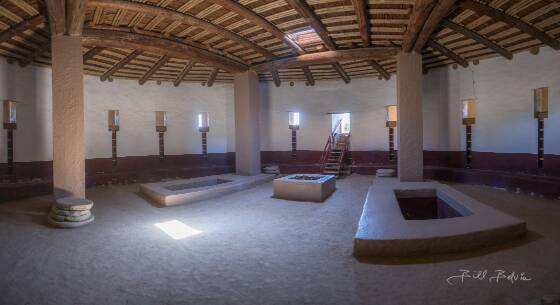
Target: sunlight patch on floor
{"x":176,"y":229}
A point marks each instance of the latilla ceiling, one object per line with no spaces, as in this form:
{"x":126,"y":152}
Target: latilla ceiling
{"x":145,"y":39}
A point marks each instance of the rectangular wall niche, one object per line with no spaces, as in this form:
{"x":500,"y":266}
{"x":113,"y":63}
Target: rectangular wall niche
{"x":293,"y":124}
{"x":541,"y":113}
{"x":10,"y":125}
{"x":161,"y":128}
{"x":469,"y":118}
{"x":113,"y":122}
{"x":204,"y":128}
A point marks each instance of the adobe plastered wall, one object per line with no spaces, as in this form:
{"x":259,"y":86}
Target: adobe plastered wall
{"x":137,"y":105}
{"x":504,"y":88}
{"x":504,"y":122}
{"x":365,"y":99}
{"x":31,"y":87}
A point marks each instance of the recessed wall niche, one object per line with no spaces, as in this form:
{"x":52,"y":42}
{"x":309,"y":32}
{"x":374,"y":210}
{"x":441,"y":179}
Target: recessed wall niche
{"x":161,"y":128}
{"x":293,"y":124}
{"x":541,"y":113}
{"x":204,"y":128}
{"x":391,"y":123}
{"x":10,"y":124}
{"x":113,"y":121}
{"x":469,"y":115}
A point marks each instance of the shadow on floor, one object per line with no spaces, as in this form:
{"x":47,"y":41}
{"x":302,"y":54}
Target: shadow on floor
{"x":530,"y":237}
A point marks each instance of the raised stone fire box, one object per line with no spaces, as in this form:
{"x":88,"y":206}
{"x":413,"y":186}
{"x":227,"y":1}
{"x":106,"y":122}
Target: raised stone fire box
{"x":401,"y":219}
{"x":304,"y":187}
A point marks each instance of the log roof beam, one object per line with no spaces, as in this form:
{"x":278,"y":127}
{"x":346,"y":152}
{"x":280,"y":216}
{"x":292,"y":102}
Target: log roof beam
{"x":420,"y":13}
{"x":181,"y":76}
{"x":21,"y":27}
{"x":91,"y":53}
{"x":212,"y":77}
{"x":448,"y":53}
{"x":127,"y":40}
{"x":440,"y":11}
{"x":154,"y":69}
{"x":327,"y":57}
{"x":477,"y":37}
{"x":123,"y":62}
{"x":308,"y":76}
{"x":362,"y":14}
{"x":180,"y":17}
{"x":257,"y":19}
{"x":276,"y":77}
{"x":379,"y":68}
{"x":44,"y":47}
{"x":75,"y":16}
{"x":511,"y":21}
{"x":307,"y":13}
{"x":340,"y":70}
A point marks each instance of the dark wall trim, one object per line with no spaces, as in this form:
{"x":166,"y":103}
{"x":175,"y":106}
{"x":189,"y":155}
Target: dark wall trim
{"x":35,"y":178}
{"x":509,"y":170}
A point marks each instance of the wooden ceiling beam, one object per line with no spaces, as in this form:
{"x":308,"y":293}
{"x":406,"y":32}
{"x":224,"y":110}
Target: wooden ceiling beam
{"x":118,"y":39}
{"x":340,"y":70}
{"x":183,"y":73}
{"x":92,"y":52}
{"x":120,"y":64}
{"x":276,"y":78}
{"x":180,"y":17}
{"x":21,"y":27}
{"x":212,"y":77}
{"x":307,"y":13}
{"x":308,"y":76}
{"x":477,"y":37}
{"x":75,"y":16}
{"x":44,"y":47}
{"x":56,"y":12}
{"x":420,"y":13}
{"x":327,"y":57}
{"x":511,"y":21}
{"x":154,"y":69}
{"x":362,"y":15}
{"x":257,"y":19}
{"x":379,"y":68}
{"x":440,"y":11}
{"x":448,"y":53}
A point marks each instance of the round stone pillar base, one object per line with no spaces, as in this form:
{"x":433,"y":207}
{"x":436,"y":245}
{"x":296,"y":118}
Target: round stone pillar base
{"x":71,"y":212}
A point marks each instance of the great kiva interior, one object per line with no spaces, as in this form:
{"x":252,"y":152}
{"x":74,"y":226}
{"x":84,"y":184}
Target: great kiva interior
{"x":256,"y":152}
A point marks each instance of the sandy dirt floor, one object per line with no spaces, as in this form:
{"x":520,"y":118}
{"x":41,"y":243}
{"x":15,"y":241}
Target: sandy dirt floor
{"x":254,"y":249}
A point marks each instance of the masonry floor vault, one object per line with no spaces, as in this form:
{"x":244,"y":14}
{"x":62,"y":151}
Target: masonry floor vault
{"x":254,"y":249}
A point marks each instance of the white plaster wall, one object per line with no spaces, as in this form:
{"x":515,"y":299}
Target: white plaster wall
{"x":504,"y":88}
{"x":137,"y":106}
{"x":32,"y":88}
{"x":365,"y":99}
{"x":505,"y":120}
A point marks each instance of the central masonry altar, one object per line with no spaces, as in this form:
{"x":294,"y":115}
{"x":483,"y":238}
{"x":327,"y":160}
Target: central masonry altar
{"x":304,"y":187}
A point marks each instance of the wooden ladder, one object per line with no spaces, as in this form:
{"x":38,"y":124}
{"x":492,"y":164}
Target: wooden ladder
{"x":335,"y":154}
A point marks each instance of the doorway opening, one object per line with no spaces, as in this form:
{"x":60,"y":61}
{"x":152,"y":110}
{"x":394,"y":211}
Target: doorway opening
{"x":344,"y":126}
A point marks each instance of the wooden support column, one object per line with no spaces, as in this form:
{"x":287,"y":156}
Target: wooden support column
{"x":247,"y":144}
{"x":68,"y":116}
{"x":409,"y":131}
